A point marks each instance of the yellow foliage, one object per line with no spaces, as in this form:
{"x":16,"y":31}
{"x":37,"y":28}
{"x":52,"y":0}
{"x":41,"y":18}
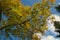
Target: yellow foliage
{"x":47,"y":11}
{"x":27,"y":25}
{"x":44,"y":28}
{"x":27,"y":8}
{"x":35,"y":30}
{"x":19,"y":14}
{"x":35,"y":37}
{"x":52,"y":1}
{"x":21,"y":7}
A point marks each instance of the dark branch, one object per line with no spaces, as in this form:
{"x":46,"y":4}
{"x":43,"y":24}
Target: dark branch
{"x":0,"y":11}
{"x":10,"y":37}
{"x":1,"y":28}
{"x":58,"y":8}
{"x":57,"y":26}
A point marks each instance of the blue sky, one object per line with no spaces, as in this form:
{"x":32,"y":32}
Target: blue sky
{"x":29,"y":2}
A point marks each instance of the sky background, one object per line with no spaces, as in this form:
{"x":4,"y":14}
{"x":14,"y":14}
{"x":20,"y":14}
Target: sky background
{"x":30,"y":3}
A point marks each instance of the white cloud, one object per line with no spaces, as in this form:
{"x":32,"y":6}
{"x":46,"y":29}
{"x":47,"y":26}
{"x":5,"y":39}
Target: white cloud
{"x":50,"y":24}
{"x":49,"y":38}
{"x":57,"y":18}
{"x":45,"y":37}
{"x":51,"y":27}
{"x":59,"y":3}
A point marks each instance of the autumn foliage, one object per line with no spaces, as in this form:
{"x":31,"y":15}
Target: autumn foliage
{"x":24,"y":21}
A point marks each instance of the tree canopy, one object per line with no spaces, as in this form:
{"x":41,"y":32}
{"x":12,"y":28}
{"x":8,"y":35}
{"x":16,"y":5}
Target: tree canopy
{"x":58,"y":8}
{"x":24,"y":21}
{"x":57,"y":26}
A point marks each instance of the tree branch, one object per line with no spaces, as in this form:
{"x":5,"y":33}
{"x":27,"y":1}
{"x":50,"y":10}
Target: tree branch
{"x":1,"y":28}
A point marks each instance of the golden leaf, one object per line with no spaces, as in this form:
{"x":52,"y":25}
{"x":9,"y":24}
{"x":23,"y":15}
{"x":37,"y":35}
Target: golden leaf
{"x":52,"y":1}
{"x":27,"y":25}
